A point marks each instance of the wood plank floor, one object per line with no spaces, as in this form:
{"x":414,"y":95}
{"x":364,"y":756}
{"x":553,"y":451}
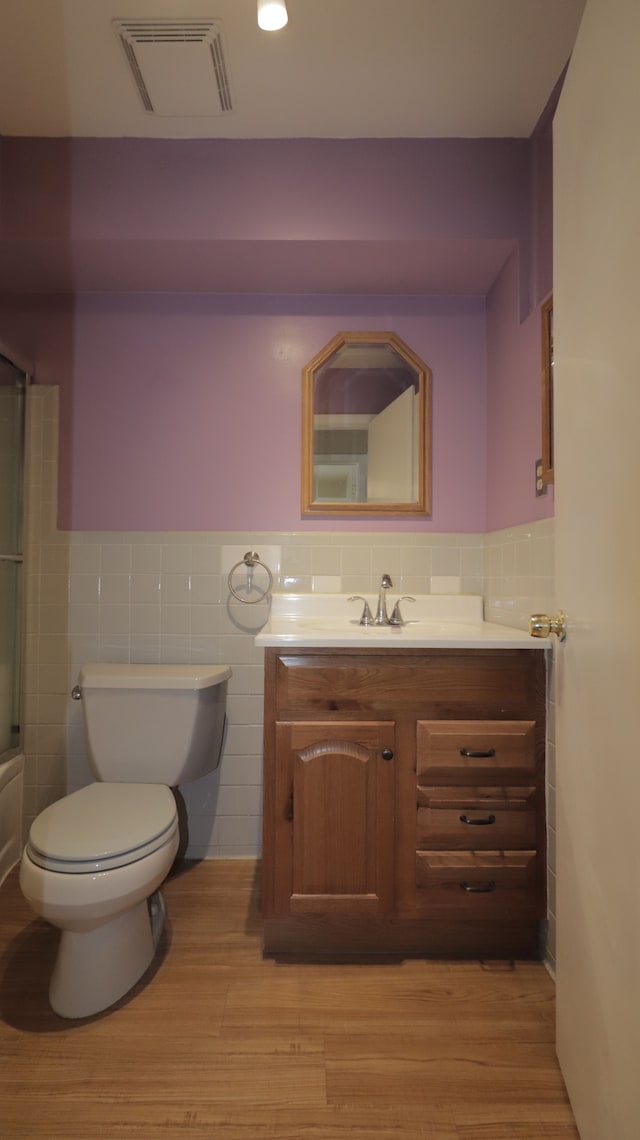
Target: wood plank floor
{"x":218,"y":1043}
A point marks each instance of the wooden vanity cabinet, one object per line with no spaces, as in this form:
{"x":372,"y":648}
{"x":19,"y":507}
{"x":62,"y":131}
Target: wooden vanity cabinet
{"x":404,"y":801}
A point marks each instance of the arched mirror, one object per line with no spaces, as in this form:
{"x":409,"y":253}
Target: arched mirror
{"x":366,"y":428}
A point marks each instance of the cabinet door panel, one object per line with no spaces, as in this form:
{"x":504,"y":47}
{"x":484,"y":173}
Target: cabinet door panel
{"x":478,"y":818}
{"x":470,"y":752}
{"x":338,"y":858}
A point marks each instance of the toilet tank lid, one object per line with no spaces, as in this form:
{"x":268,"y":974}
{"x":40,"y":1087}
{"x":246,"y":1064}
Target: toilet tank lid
{"x":115,"y":676}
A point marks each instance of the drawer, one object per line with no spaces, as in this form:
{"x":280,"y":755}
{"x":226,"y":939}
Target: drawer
{"x":431,"y":684}
{"x":475,"y":751}
{"x":480,"y":818}
{"x":476,"y":884}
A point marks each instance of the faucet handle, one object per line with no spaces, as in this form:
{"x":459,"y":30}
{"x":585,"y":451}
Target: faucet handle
{"x":367,"y":616}
{"x":396,"y":617}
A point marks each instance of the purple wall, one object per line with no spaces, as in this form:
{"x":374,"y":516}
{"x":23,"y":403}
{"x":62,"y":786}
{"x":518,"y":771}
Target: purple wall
{"x":514,"y":408}
{"x":187,"y":410}
{"x":151,"y":190}
{"x":303,"y":216}
{"x":359,"y":391}
{"x":542,"y":213}
{"x":181,"y":401}
{"x":184,"y":412}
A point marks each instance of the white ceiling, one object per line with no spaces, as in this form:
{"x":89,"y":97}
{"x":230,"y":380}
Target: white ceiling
{"x":341,"y":68}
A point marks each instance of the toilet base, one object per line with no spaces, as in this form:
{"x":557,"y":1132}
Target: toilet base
{"x":95,"y":968}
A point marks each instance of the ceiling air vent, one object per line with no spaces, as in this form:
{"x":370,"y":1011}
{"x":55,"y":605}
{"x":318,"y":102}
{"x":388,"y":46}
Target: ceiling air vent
{"x":178,"y":65}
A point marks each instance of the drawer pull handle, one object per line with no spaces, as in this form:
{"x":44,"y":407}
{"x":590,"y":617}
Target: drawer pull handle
{"x":387,"y":754}
{"x":478,"y":755}
{"x":481,"y":890}
{"x":478,"y":822}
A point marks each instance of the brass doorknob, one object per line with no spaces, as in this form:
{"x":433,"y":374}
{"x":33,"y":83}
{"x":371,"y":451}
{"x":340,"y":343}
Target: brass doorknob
{"x":541,"y":625}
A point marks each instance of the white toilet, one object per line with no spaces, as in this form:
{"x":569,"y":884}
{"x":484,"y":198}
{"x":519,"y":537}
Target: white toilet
{"x":95,"y":859}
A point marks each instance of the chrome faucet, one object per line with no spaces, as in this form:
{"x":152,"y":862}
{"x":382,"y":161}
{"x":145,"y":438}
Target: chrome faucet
{"x":396,"y":618}
{"x":382,"y":617}
{"x":367,"y":616}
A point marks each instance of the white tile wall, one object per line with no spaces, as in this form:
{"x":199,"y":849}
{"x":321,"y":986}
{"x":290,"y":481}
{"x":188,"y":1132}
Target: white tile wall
{"x":519,"y":579}
{"x":156,"y":596}
{"x":519,"y":573}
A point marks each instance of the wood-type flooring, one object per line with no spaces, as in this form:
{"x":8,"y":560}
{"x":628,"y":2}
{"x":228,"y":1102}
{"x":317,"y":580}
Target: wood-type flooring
{"x":218,"y":1043}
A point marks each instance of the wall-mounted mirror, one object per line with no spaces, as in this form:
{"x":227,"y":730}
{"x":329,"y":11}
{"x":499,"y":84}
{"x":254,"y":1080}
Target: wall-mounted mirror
{"x":547,"y":473}
{"x":366,"y":428}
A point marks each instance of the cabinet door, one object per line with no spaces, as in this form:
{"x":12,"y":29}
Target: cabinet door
{"x":335,"y":799}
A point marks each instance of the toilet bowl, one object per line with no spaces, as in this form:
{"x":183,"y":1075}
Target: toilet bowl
{"x":95,"y":860}
{"x":92,"y":861}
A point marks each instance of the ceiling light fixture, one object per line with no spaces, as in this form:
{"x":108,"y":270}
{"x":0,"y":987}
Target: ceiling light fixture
{"x":272,"y":15}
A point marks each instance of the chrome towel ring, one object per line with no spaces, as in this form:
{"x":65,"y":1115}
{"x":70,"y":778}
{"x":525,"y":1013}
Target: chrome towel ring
{"x":250,"y":560}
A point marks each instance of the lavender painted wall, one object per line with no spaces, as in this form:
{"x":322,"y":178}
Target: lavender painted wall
{"x":307,"y":215}
{"x":187,"y":410}
{"x":166,"y":394}
{"x":542,"y":213}
{"x":514,"y":415}
{"x":183,"y":412}
{"x":308,"y":189}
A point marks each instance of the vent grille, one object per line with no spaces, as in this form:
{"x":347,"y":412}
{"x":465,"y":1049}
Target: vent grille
{"x":178,"y":66}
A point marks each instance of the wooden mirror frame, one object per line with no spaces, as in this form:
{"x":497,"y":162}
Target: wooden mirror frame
{"x":547,"y":473}
{"x":358,"y":509}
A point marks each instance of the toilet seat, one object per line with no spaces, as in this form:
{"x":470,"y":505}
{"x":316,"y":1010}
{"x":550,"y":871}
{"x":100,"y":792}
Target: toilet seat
{"x":103,"y":826}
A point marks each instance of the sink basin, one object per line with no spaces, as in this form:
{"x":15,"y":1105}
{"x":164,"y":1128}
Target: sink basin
{"x":432,"y":621}
{"x":321,"y":624}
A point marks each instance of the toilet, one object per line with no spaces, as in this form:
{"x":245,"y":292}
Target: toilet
{"x":95,"y":860}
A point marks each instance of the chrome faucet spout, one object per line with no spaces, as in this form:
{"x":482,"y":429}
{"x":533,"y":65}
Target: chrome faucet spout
{"x":382,"y":617}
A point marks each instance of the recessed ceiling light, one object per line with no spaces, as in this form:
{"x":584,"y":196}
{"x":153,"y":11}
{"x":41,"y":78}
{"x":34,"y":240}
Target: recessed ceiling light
{"x":272,"y":15}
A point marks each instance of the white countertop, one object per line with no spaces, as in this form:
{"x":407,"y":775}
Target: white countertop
{"x":433,"y":621}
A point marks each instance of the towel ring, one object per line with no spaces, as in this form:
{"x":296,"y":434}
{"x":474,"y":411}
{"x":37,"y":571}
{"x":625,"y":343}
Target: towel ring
{"x":250,"y":560}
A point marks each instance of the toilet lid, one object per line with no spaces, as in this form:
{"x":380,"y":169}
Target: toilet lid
{"x":103,"y":826}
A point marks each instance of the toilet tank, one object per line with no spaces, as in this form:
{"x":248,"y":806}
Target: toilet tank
{"x":153,"y":724}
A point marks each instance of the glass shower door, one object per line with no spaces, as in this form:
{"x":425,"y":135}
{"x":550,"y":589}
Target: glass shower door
{"x":12,"y":413}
